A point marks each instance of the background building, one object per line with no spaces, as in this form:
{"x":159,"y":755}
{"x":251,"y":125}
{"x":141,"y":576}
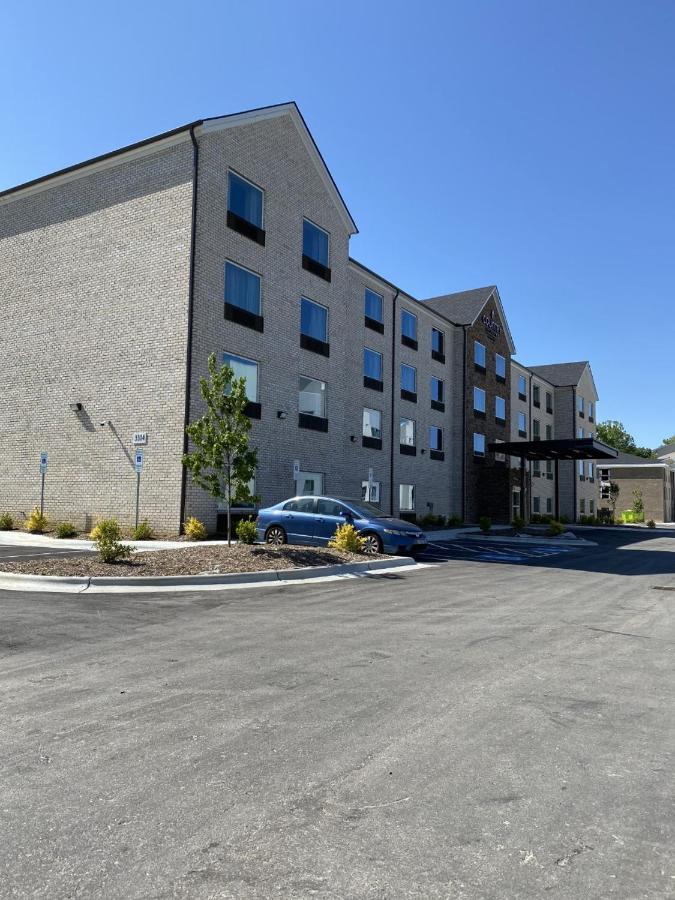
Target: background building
{"x":653,"y":478}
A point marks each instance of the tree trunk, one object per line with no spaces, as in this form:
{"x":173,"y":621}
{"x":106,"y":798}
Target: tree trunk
{"x":229,"y":525}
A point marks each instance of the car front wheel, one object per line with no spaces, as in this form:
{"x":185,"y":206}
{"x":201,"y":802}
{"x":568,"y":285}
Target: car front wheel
{"x":371,"y":544}
{"x":275,"y":535}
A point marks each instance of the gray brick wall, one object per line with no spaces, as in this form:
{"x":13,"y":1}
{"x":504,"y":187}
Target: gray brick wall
{"x":94,"y":276}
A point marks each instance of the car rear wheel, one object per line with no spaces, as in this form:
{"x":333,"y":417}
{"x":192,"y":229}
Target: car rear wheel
{"x":371,"y":544}
{"x":275,"y":535}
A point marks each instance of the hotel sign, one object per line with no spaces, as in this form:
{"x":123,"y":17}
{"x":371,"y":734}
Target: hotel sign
{"x":492,"y":326}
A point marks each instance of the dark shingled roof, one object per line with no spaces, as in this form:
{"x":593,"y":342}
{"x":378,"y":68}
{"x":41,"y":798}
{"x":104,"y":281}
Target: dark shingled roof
{"x":664,"y":449}
{"x":561,"y":374}
{"x":462,"y":308}
{"x":630,"y":459}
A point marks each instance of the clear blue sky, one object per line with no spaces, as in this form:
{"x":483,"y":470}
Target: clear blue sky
{"x":525,"y":143}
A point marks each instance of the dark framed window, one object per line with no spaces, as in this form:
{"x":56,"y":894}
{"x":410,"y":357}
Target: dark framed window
{"x":437,"y":345}
{"x":372,"y":428}
{"x":549,"y":402}
{"x":522,"y":387}
{"x":408,"y":329}
{"x":536,"y":398}
{"x":536,"y":430}
{"x":245,"y":208}
{"x":435,"y":437}
{"x":312,"y":397}
{"x":407,"y":438}
{"x":549,"y":432}
{"x":408,"y":382}
{"x":522,"y":425}
{"x":437,"y":394}
{"x":478,"y":444}
{"x":315,"y":250}
{"x":372,"y":364}
{"x":479,"y":400}
{"x":242,"y":296}
{"x":314,"y":327}
{"x":580,"y":406}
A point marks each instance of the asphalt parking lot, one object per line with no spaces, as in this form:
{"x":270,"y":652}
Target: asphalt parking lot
{"x":472,"y":729}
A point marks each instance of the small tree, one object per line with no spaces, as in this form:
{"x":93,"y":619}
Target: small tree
{"x":222,"y":463}
{"x":613,"y":496}
{"x":638,"y":505}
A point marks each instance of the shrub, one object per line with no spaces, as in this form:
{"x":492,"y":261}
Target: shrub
{"x":555,"y":528}
{"x":347,"y":539}
{"x":518,"y":523}
{"x":246,"y":531}
{"x":108,"y":542}
{"x":485,"y":524}
{"x":638,"y":506}
{"x":651,"y":523}
{"x":6,"y":522}
{"x":66,"y":530}
{"x":453,"y":521}
{"x":563,"y":520}
{"x":143,"y":532}
{"x":535,"y":519}
{"x":195,"y":530}
{"x":36,"y":522}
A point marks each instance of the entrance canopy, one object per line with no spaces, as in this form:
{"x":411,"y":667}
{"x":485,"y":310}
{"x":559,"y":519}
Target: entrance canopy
{"x":569,"y":448}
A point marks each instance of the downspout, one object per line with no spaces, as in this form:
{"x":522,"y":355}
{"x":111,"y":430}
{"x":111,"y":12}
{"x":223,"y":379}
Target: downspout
{"x":575,"y":463}
{"x":464,"y":400}
{"x":191,"y":293}
{"x":393,"y":409}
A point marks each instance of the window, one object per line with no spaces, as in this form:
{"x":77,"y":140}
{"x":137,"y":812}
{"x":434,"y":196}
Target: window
{"x":372,"y":364}
{"x":536,"y":398}
{"x":436,"y":390}
{"x":479,"y":356}
{"x":435,"y":438}
{"x":242,"y":288}
{"x":313,"y":319}
{"x":315,"y":250}
{"x":580,"y":405}
{"x":315,"y":242}
{"x":589,"y":434}
{"x":522,"y":424}
{"x":500,"y":366}
{"x":549,"y":402}
{"x":312,"y":397}
{"x":245,"y":208}
{"x":580,"y":433}
{"x":581,"y":470}
{"x":536,"y":468}
{"x":244,"y":368}
{"x":500,"y":409}
{"x":536,"y":505}
{"x":407,"y":428}
{"x":409,"y":379}
{"x":308,"y":483}
{"x":582,"y":506}
{"x":222,"y":503}
{"x":479,"y":399}
{"x":536,"y":430}
{"x":500,"y":457}
{"x":406,"y":497}
{"x":373,"y":306}
{"x":549,"y":505}
{"x":522,"y":387}
{"x":549,"y":432}
{"x":408,"y":329}
{"x":590,"y":411}
{"x":305,"y":504}
{"x":478,"y":444}
{"x":590,"y":471}
{"x":591,"y":506}
{"x":549,"y":469}
{"x":372,"y":423}
{"x":437,"y":345}
{"x":370,"y":491}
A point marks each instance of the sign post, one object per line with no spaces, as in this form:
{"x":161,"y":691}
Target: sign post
{"x":43,"y":469}
{"x":370,"y":484}
{"x":138,"y":466}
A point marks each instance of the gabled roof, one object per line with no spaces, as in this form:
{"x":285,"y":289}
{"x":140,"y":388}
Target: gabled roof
{"x":564,"y":374}
{"x":464,"y":307}
{"x":665,"y":450}
{"x":199,"y":126}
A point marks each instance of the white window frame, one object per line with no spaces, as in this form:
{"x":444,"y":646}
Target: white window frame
{"x":370,"y":409}
{"x":304,"y":475}
{"x":481,"y":453}
{"x":497,"y":401}
{"x":401,"y":420}
{"x":325,"y":395}
{"x":375,"y":487}
{"x":498,"y":357}
{"x":522,"y":419}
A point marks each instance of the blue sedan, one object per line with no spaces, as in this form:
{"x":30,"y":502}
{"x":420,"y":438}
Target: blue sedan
{"x":313,"y":520}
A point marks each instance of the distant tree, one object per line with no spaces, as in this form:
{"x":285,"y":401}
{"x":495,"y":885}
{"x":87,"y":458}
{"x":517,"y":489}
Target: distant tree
{"x":668,"y":440}
{"x":614,"y":434}
{"x":222,"y":463}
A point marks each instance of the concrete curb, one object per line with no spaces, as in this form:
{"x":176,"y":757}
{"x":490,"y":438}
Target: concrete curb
{"x":10,"y":581}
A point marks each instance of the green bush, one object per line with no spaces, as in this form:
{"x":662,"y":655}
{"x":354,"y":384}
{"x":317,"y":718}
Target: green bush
{"x":651,"y":523}
{"x":485,"y":524}
{"x":108,"y":543}
{"x":630,"y":517}
{"x":143,"y":532}
{"x":6,"y":522}
{"x":246,"y":531}
{"x":563,"y":520}
{"x":66,"y":530}
{"x":453,"y":521}
{"x":36,"y":522}
{"x":555,"y":528}
{"x":518,"y":523}
{"x":195,"y":530}
{"x":535,"y":519}
{"x":347,"y":539}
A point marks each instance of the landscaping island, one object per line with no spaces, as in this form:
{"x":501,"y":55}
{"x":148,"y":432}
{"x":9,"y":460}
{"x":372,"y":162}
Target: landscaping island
{"x":202,"y":560}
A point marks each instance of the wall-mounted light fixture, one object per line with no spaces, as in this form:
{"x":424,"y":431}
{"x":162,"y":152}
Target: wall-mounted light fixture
{"x":76,"y":407}
{"x":352,"y":438}
{"x":423,"y":450}
{"x":281,"y":414}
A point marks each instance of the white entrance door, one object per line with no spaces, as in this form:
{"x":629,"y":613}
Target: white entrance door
{"x":309,"y":484}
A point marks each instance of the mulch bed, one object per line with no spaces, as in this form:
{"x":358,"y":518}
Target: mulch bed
{"x":188,"y":561}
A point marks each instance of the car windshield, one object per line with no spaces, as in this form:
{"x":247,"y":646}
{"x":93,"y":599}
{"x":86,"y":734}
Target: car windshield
{"x":365,"y":510}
